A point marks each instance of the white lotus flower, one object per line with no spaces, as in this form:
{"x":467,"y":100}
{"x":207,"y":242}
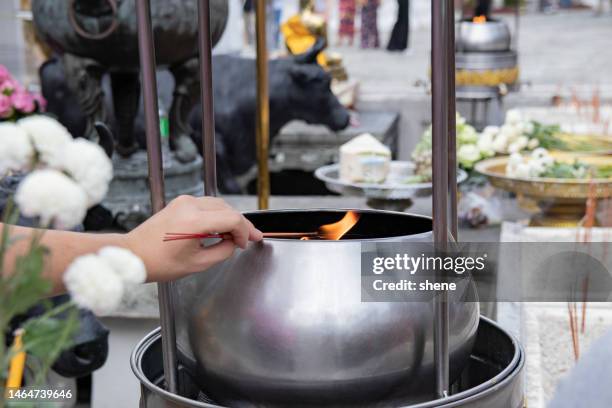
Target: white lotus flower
{"x":536,"y":168}
{"x":93,"y":284}
{"x":500,"y":143}
{"x":515,"y":160}
{"x":491,"y":130}
{"x":48,"y":136}
{"x":52,"y":196}
{"x":513,"y":116}
{"x":126,"y":265}
{"x":459,"y":120}
{"x":539,"y":153}
{"x":511,"y":132}
{"x":16,"y":151}
{"x":89,"y":165}
{"x":522,"y":141}
{"x":514,"y":148}
{"x":521,"y":171}
{"x":485,"y":145}
{"x":468,"y":155}
{"x":533,"y":143}
{"x":468,"y":135}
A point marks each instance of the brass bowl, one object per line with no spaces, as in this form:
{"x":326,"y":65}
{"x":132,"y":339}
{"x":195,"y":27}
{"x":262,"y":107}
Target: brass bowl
{"x":560,"y":202}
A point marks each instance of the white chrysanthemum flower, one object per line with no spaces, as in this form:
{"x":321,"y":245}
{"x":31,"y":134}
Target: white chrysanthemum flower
{"x":52,"y":196}
{"x":93,"y":284}
{"x":48,"y":136}
{"x":126,"y":265}
{"x":514,"y":116}
{"x":89,"y":165}
{"x":16,"y":151}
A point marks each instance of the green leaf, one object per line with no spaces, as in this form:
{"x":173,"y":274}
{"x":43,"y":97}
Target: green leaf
{"x":47,"y":336}
{"x":26,"y":286}
{"x":10,"y":217}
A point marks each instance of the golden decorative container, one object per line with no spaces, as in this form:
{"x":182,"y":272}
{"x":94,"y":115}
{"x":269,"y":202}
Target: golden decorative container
{"x":560,"y":202}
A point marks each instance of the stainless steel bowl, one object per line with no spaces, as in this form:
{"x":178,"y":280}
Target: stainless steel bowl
{"x":283,"y":321}
{"x":492,"y":35}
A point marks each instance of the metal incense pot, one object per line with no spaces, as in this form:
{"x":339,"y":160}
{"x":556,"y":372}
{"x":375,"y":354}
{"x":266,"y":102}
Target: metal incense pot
{"x":283,"y":321}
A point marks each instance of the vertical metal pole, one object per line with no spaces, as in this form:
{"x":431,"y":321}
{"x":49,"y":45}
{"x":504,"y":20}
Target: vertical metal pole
{"x":440,"y":121}
{"x":452,"y":131}
{"x":263,"y":108}
{"x":156,"y":178}
{"x":208,"y":113}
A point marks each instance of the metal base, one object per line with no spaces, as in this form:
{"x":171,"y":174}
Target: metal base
{"x":129,"y":198}
{"x":493,"y":377}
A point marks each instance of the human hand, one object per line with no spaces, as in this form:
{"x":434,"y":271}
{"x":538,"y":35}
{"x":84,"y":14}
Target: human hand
{"x":175,"y":259}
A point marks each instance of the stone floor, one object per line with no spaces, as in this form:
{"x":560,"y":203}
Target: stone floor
{"x":563,"y":49}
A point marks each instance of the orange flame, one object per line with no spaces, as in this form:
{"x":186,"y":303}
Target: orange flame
{"x":338,"y":229}
{"x":479,"y":19}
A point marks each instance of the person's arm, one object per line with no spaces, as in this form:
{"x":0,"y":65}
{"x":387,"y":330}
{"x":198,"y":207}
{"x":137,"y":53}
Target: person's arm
{"x":163,"y":260}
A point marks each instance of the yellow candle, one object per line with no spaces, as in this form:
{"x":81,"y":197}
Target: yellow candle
{"x":17,"y":363}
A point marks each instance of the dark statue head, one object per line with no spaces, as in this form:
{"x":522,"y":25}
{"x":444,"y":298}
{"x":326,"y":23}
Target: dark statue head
{"x":314,"y":99}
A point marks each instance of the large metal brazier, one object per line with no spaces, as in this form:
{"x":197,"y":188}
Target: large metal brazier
{"x":282,"y":323}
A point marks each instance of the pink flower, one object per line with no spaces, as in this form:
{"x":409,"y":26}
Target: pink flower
{"x":23,"y":101}
{"x":4,"y":74}
{"x":8,"y":86}
{"x":6,"y":107}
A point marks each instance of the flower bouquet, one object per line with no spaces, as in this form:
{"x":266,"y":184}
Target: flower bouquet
{"x":63,"y":178}
{"x":15,"y":101}
{"x":515,"y":135}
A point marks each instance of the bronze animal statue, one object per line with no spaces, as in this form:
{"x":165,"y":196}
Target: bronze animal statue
{"x":94,"y":37}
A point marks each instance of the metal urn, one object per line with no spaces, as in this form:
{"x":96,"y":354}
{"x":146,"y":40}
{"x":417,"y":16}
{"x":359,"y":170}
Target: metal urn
{"x":491,"y":35}
{"x":282,"y":322}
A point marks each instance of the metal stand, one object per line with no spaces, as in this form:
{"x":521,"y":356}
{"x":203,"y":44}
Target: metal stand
{"x":443,"y":166}
{"x":263,"y":108}
{"x":156,"y":179}
{"x":208,"y":112}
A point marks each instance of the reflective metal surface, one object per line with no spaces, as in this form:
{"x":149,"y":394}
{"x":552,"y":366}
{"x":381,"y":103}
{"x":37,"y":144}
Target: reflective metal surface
{"x":486,"y":60}
{"x":490,"y":36}
{"x":283,"y":320}
{"x":493,"y":377}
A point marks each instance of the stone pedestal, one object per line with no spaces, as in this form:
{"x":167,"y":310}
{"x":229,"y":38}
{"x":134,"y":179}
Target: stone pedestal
{"x":129,"y":198}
